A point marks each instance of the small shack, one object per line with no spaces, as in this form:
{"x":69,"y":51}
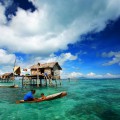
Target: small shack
{"x":9,"y":76}
{"x":52,"y":68}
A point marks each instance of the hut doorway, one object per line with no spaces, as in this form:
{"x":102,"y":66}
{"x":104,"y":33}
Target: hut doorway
{"x":42,"y":70}
{"x":52,"y":72}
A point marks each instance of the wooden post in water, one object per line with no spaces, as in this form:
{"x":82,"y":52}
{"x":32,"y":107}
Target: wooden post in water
{"x":56,"y":81}
{"x":45,"y":78}
{"x":40,"y":82}
{"x":22,"y":81}
{"x":37,"y":77}
{"x":60,"y":81}
{"x":35,"y":82}
{"x":30,"y":81}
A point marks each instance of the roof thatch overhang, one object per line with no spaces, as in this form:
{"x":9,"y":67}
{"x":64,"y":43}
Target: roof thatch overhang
{"x":7,"y":74}
{"x":45,"y":65}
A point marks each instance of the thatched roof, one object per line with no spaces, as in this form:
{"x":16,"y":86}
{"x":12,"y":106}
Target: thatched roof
{"x":17,"y":70}
{"x":7,"y":74}
{"x":35,"y":66}
{"x":45,"y":65}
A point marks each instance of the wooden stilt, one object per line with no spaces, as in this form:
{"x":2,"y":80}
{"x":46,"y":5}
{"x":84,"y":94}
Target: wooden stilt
{"x":33,"y":82}
{"x":56,"y":82}
{"x":46,"y":82}
{"x":22,"y":81}
{"x":30,"y":81}
{"x":60,"y":81}
{"x":40,"y":82}
{"x":37,"y":83}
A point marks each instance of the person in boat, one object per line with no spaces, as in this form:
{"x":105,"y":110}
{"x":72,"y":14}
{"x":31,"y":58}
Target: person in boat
{"x":43,"y":97}
{"x":29,"y":96}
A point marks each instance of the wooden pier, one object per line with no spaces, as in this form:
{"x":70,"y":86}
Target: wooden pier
{"x":33,"y":80}
{"x":37,"y":80}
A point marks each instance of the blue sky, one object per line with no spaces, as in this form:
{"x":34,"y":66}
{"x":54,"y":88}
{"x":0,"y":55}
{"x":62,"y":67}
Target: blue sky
{"x":82,"y":36}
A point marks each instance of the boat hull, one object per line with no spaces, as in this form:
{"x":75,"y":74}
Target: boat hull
{"x":48,"y":98}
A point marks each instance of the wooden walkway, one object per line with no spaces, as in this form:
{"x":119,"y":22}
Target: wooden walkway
{"x":32,"y":80}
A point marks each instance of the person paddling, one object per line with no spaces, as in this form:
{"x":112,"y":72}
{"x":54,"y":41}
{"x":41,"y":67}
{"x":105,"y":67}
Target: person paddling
{"x":29,"y":96}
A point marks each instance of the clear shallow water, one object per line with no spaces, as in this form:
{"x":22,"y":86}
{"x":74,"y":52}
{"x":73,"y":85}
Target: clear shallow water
{"x":86,"y":100}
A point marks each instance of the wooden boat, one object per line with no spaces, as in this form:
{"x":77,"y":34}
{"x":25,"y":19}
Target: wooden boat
{"x":12,"y":86}
{"x":48,"y":98}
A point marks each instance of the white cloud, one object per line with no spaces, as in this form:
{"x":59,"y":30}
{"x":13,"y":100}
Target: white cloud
{"x":75,"y":75}
{"x":62,"y":58}
{"x":2,"y":16}
{"x":6,"y":58}
{"x":89,"y":75}
{"x":115,"y":56}
{"x":6,"y":61}
{"x":107,"y":75}
{"x":1,"y":72}
{"x":6,"y":69}
{"x":55,"y":24}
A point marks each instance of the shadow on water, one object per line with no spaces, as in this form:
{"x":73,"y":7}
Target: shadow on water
{"x":94,"y":110}
{"x":110,"y":115}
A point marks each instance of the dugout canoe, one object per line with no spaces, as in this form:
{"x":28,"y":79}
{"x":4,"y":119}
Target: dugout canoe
{"x":12,"y":86}
{"x":48,"y":98}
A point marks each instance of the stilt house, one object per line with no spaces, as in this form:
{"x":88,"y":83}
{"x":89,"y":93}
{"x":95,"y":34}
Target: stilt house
{"x":8,"y":76}
{"x":52,"y":69}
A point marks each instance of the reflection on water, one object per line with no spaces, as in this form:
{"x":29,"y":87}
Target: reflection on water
{"x":86,"y":100}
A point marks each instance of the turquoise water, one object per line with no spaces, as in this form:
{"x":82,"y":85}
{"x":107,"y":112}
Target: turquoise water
{"x":86,"y":100}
